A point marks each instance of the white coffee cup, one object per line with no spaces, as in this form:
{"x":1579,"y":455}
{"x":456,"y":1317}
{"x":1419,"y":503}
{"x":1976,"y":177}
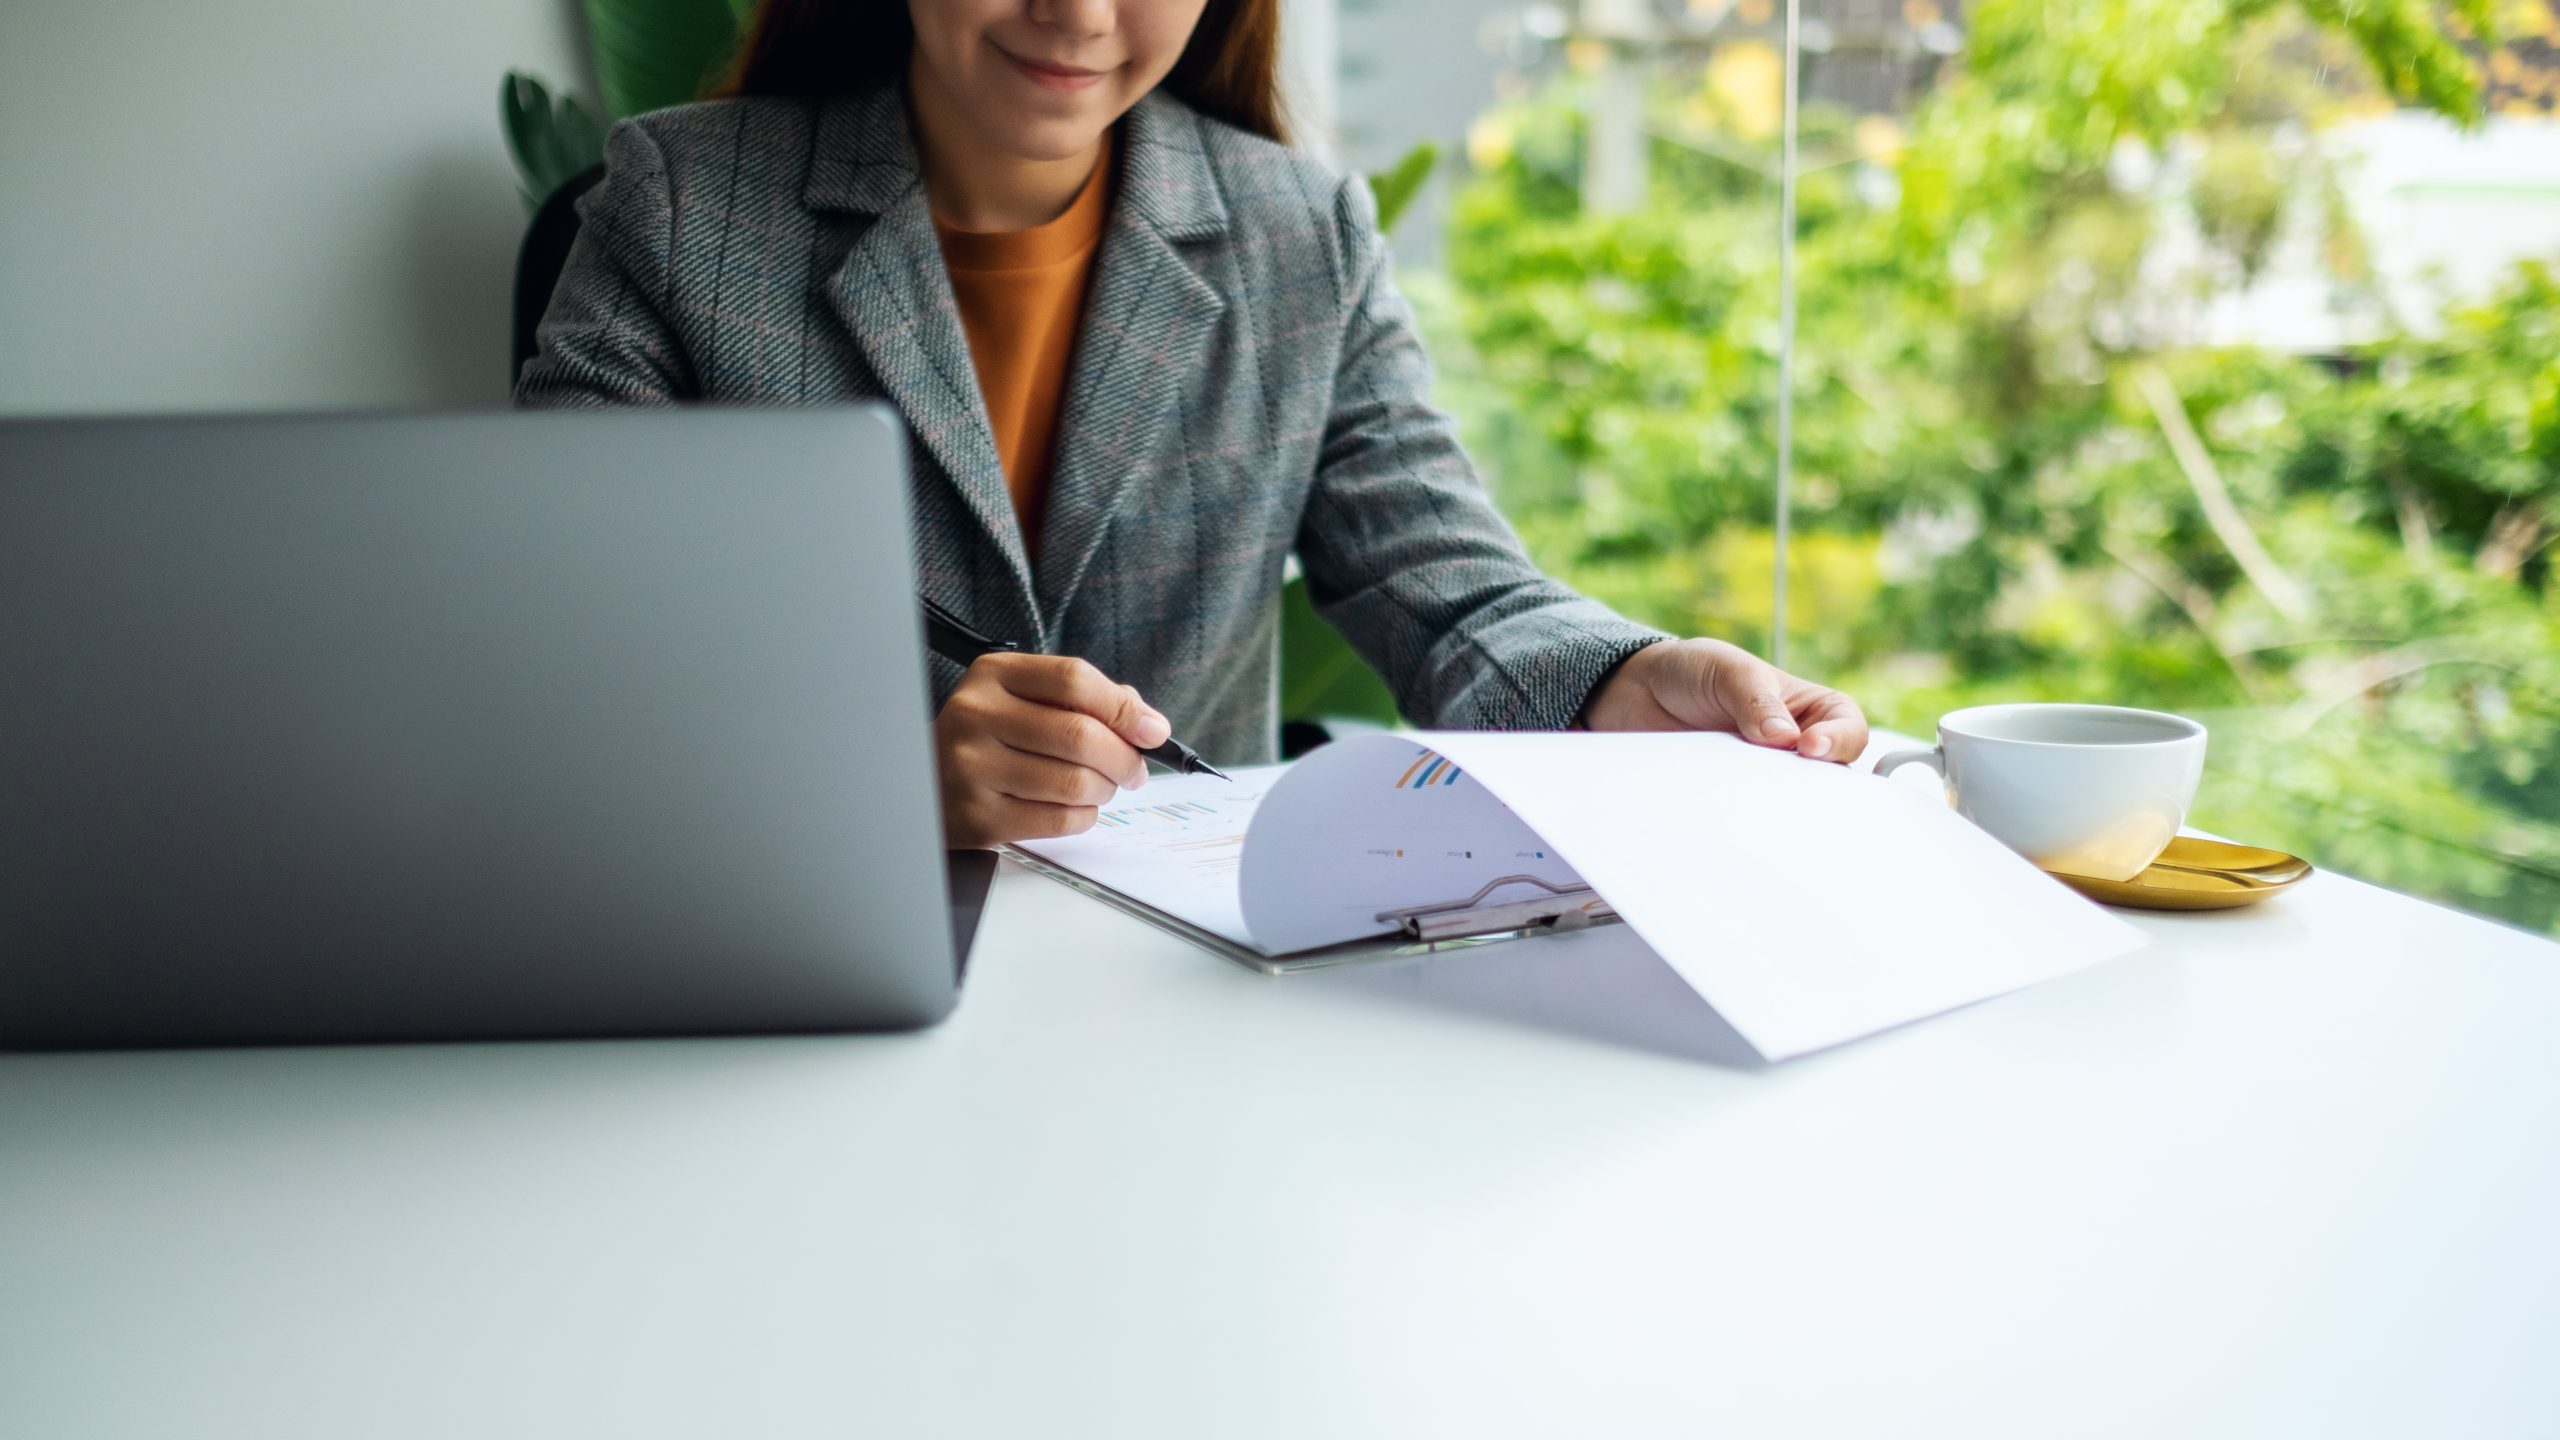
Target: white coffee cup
{"x":2094,"y":790}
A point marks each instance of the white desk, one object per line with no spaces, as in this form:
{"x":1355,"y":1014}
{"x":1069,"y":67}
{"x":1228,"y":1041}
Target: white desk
{"x":2293,"y":1171}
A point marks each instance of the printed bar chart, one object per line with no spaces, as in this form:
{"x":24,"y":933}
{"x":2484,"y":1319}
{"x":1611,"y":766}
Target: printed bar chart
{"x":1182,"y":812}
{"x":1429,"y":768}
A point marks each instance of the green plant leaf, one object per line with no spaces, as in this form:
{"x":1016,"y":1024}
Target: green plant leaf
{"x":552,"y":140}
{"x":1396,"y":187}
{"x":1321,"y":676}
{"x":654,"y":53}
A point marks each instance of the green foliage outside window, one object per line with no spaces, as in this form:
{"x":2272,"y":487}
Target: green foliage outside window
{"x":2015,"y":480}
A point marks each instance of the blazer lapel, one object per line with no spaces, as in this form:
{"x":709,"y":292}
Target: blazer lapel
{"x":893,"y":294}
{"x":1147,"y":325}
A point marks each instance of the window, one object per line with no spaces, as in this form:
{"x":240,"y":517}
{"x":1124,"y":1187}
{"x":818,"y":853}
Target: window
{"x":2177,"y":353}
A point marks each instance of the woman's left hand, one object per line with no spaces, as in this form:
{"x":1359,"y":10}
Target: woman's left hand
{"x":1713,"y":685}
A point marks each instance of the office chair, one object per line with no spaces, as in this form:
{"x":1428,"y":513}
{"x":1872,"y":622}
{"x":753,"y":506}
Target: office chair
{"x":542,"y":256}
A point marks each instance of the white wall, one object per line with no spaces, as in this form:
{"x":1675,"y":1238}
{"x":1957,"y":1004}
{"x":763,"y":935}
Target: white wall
{"x":260,"y":204}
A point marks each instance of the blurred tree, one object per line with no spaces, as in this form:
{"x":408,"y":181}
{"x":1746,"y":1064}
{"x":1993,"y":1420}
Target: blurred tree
{"x":2019,"y":475}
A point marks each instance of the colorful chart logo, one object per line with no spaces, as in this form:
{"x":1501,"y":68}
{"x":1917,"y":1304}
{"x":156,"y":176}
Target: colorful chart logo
{"x":1429,"y":768}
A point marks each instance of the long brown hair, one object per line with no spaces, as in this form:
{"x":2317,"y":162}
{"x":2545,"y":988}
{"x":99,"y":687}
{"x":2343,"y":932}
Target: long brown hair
{"x":1230,"y":70}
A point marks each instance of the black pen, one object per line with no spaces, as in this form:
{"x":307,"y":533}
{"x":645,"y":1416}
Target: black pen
{"x":952,"y":638}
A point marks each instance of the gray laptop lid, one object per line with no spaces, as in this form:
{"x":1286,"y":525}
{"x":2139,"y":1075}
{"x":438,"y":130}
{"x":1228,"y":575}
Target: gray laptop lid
{"x":494,"y":725}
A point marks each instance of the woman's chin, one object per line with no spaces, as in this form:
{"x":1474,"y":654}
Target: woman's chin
{"x":1041,"y":138}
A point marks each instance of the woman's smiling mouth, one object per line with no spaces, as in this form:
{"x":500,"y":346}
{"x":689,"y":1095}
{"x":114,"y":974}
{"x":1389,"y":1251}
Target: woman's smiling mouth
{"x":1051,"y":73}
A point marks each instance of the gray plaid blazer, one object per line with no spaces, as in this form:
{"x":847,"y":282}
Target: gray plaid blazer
{"x":1247,"y":383}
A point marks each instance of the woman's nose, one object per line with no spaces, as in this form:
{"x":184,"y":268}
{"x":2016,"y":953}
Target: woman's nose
{"x":1076,"y":17}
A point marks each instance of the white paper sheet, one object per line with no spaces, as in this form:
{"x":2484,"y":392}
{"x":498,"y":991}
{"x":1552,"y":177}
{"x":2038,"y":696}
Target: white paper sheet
{"x":1382,"y":824}
{"x":1808,"y":903}
{"x":1174,"y":843}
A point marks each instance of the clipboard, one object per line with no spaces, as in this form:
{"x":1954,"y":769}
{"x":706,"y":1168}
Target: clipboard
{"x":1462,"y":922}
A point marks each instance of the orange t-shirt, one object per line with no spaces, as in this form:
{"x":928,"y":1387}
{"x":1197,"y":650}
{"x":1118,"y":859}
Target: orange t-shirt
{"x":1021,"y":295}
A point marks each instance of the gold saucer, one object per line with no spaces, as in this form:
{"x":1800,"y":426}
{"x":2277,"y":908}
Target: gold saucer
{"x":2195,"y":874}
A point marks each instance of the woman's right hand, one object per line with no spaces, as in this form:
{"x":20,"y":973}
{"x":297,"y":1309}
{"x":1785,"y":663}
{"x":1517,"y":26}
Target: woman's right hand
{"x":1029,"y":746}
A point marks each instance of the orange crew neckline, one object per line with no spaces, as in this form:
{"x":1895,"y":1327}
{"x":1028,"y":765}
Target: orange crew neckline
{"x":1021,"y":296}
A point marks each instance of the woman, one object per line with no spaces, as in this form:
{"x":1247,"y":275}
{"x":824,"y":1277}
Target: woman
{"x":1146,"y":350}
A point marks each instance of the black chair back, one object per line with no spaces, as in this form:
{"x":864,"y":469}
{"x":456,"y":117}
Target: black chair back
{"x":543,"y":255}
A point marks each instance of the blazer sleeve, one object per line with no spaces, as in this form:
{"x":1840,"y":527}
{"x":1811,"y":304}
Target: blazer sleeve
{"x":1404,"y":552}
{"x":605,"y":339}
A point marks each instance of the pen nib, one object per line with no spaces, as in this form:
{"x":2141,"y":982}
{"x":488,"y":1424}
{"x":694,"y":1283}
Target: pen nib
{"x":1181,"y":759}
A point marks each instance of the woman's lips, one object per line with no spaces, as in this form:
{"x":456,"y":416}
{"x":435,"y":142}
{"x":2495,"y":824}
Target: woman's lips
{"x":1052,"y":74}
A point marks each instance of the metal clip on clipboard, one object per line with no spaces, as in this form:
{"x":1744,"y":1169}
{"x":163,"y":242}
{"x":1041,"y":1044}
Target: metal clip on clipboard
{"x":1422,"y":929}
{"x":1563,"y":907}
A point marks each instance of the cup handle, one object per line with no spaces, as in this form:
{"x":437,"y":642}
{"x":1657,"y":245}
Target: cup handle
{"x":1900,"y":758}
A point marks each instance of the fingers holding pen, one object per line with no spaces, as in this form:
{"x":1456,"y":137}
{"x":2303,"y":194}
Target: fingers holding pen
{"x":1065,"y":683}
{"x":1030,"y":745}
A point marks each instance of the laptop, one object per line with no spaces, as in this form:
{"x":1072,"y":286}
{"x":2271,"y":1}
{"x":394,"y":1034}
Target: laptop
{"x":465,"y":727}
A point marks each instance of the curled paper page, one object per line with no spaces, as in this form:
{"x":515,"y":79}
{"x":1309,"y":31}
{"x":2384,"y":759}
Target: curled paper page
{"x":1372,"y":823}
{"x":1807,"y":903}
